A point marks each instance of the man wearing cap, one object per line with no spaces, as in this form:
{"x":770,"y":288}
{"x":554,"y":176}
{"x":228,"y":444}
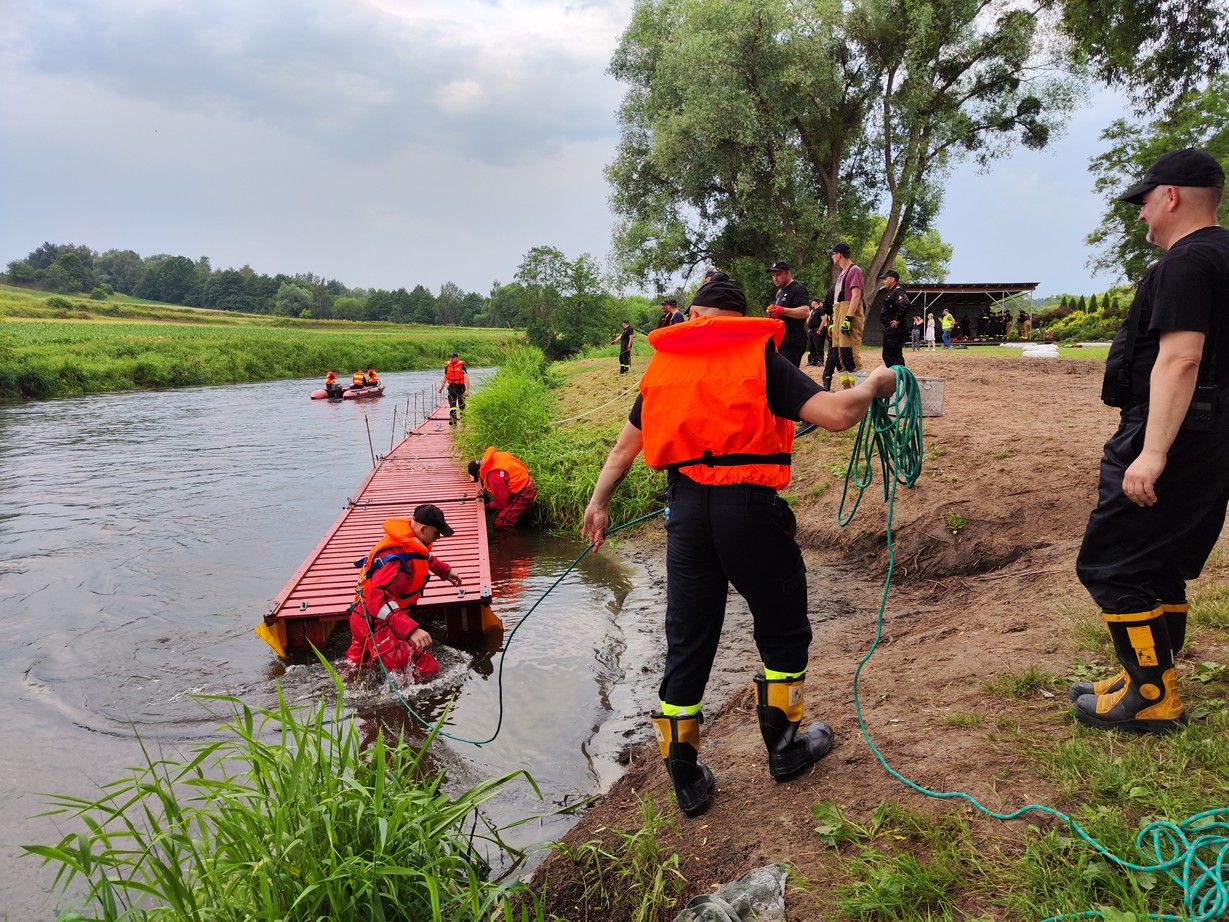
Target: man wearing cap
{"x":716,"y":410}
{"x":895,"y":316}
{"x":456,"y":379}
{"x":506,"y":478}
{"x":394,"y":575}
{"x":624,"y":339}
{"x":848,"y":316}
{"x":792,"y":304}
{"x":1164,"y":479}
{"x":670,"y":313}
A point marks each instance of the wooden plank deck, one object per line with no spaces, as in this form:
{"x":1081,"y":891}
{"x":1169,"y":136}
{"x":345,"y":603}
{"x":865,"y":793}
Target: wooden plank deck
{"x":422,"y":468}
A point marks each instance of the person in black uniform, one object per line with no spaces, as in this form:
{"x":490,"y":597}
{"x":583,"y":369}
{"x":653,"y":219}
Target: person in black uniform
{"x":817,"y":332}
{"x":625,"y":347}
{"x":792,"y":304}
{"x":725,"y":522}
{"x":895,"y":315}
{"x":1164,"y":481}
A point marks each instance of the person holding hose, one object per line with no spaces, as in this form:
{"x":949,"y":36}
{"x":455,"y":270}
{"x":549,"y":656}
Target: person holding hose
{"x":716,"y":410}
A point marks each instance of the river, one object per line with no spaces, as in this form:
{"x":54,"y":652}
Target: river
{"x":142,"y":535}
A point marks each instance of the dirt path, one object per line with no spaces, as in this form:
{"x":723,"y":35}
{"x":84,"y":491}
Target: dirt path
{"x":1015,"y":457}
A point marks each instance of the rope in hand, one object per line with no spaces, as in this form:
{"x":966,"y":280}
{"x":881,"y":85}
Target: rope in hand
{"x":506,"y":645}
{"x":1194,"y":852}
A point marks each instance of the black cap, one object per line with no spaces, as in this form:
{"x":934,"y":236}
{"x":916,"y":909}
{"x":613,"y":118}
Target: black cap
{"x":841,"y":247}
{"x":427,"y":514}
{"x":672,"y":302}
{"x":779,"y":266}
{"x":454,"y":355}
{"x":1187,"y":167}
{"x":721,"y":293}
{"x":473,"y":470}
{"x":891,"y":273}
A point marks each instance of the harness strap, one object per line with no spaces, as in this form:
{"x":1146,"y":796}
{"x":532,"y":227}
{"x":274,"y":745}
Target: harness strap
{"x":708,"y":459}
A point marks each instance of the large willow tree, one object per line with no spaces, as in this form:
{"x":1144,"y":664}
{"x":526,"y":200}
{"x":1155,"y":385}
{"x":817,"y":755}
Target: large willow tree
{"x":754,"y":130}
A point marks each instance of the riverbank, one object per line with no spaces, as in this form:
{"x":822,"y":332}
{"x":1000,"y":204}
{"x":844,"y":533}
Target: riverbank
{"x":985,"y":627}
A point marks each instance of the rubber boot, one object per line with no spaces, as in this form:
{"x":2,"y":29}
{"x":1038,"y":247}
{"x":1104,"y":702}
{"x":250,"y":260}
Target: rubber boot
{"x":1148,"y":700}
{"x":679,"y":741}
{"x":452,"y":416}
{"x":1175,"y":622}
{"x":779,"y":708}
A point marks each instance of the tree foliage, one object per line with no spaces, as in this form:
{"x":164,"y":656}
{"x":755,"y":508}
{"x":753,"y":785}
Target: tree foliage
{"x":1199,"y":118}
{"x":566,"y":306}
{"x":763,"y":129}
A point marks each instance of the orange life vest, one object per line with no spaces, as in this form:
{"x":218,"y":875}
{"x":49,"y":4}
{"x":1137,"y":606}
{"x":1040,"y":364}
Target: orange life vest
{"x":518,"y":473}
{"x":705,"y":408}
{"x":371,"y":376}
{"x":330,"y":378}
{"x":358,"y":379}
{"x":454,"y":371}
{"x":399,"y":547}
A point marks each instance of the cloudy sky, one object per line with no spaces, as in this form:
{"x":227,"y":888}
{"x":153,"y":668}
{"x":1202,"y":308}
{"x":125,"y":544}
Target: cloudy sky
{"x":388,"y":143}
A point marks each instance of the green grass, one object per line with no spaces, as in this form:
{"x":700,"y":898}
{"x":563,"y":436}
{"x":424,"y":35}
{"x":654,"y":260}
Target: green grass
{"x":92,"y":347}
{"x":285,"y":816}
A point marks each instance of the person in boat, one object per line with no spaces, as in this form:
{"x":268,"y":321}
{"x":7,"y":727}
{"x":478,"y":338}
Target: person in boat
{"x":716,"y":409}
{"x":357,"y":380}
{"x":506,"y":478}
{"x":331,"y":387}
{"x":395,"y":573}
{"x":372,"y":378}
{"x":456,"y":379}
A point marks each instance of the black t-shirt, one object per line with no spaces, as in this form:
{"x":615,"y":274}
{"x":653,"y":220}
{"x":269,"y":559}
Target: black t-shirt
{"x":625,"y":339}
{"x":793,"y":295}
{"x":787,"y":385}
{"x":1186,"y":289}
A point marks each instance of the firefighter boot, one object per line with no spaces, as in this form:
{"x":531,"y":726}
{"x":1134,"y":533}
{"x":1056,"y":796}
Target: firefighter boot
{"x":452,"y":416}
{"x":678,"y":737}
{"x":779,"y":707}
{"x":1148,"y":700}
{"x":1175,"y":623}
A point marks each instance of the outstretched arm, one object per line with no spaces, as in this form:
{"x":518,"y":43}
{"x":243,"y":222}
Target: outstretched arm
{"x":618,"y":463}
{"x":839,"y":410}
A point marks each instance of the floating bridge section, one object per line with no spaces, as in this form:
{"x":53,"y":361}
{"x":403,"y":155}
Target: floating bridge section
{"x":421,"y":469}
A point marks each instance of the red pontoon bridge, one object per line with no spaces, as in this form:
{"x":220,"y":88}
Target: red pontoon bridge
{"x":421,"y":469}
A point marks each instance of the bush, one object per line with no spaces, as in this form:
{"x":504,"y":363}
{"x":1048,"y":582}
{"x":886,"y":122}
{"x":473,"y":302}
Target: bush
{"x":60,"y":303}
{"x":98,"y":295}
{"x":1084,"y":325}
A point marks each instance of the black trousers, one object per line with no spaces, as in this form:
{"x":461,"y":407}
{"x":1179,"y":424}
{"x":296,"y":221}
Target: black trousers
{"x":893,"y":351}
{"x":456,"y":395}
{"x":737,"y":535}
{"x":830,"y":363}
{"x":815,"y":345}
{"x":1134,"y":557}
{"x":625,"y":360}
{"x":793,"y":346}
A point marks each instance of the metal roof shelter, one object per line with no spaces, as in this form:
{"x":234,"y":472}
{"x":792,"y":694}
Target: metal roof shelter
{"x":963,"y":299}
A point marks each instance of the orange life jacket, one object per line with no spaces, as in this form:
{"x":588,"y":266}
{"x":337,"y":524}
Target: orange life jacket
{"x":358,"y":379}
{"x":518,"y":473}
{"x":705,"y":408}
{"x":399,"y":547}
{"x":371,"y":376}
{"x":330,"y":378}
{"x":454,"y":371}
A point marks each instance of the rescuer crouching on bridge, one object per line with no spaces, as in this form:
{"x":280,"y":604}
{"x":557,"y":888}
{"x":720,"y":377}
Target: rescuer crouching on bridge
{"x":716,"y":409}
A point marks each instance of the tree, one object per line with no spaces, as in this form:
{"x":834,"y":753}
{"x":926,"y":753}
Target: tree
{"x":20,"y":272}
{"x":1155,"y":49}
{"x":121,"y":269}
{"x":761,"y":129}
{"x":421,"y":306}
{"x":172,"y":279}
{"x":1197,"y":119}
{"x":293,"y":299}
{"x":347,"y":308}
{"x":567,"y":308}
{"x":448,"y":305}
{"x":506,"y":306}
{"x":1092,"y":304}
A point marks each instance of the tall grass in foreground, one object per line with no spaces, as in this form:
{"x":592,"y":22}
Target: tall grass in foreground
{"x":513,"y":412}
{"x":286,"y":817}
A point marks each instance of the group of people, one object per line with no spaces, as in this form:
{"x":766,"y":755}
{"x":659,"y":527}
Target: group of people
{"x":1163,"y":490}
{"x":358,"y":380}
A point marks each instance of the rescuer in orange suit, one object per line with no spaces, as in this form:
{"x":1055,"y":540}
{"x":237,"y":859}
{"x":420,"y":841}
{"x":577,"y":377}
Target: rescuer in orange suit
{"x":395,"y":573}
{"x":331,"y":387}
{"x":372,"y":378}
{"x":716,"y":409}
{"x":456,"y":379}
{"x":507,"y":479}
{"x":358,"y":379}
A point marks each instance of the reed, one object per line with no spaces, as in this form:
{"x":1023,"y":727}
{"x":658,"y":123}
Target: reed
{"x":285,"y":816}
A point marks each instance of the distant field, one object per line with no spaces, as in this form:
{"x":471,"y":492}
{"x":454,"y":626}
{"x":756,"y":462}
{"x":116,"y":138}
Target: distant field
{"x":77,"y":346}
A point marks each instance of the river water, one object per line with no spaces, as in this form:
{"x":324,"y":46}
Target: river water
{"x":142,"y":536}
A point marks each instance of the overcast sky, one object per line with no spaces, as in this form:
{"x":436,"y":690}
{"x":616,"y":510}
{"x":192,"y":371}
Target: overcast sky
{"x":389,"y":143}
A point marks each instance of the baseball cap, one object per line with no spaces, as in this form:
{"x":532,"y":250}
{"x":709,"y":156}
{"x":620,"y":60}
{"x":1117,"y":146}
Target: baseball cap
{"x":427,"y":514}
{"x":1186,"y":167}
{"x":779,"y":266}
{"x":891,"y":273}
{"x":841,"y":247}
{"x":454,"y":355}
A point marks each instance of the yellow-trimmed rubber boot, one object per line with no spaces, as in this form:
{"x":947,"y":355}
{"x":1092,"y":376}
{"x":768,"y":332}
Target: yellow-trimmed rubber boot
{"x":1148,"y":700}
{"x":678,"y":738}
{"x":1175,"y":624}
{"x":779,"y":707}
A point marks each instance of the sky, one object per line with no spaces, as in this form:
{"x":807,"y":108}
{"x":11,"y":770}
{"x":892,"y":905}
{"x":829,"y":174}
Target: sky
{"x":389,"y":143}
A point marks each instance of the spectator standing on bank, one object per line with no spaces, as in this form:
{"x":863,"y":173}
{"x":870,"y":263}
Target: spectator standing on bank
{"x":792,"y":304}
{"x":930,"y":332}
{"x":817,"y":326}
{"x":849,"y":314}
{"x":915,"y":332}
{"x":670,"y":313}
{"x":894,"y":315}
{"x":948,"y":322}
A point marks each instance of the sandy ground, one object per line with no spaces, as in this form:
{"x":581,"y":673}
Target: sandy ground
{"x":1015,"y":456}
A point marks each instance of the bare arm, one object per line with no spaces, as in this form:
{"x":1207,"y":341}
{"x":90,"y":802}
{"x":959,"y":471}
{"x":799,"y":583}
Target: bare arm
{"x":1170,"y":389}
{"x":839,"y":410}
{"x":619,"y":461}
{"x":855,"y":303}
{"x":798,"y":313}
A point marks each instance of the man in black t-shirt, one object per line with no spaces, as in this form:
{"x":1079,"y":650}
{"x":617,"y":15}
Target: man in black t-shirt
{"x":625,"y":347}
{"x":1164,"y":481}
{"x":792,"y":304}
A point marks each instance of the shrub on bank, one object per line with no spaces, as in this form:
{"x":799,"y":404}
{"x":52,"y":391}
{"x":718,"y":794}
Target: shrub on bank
{"x":1084,"y":325}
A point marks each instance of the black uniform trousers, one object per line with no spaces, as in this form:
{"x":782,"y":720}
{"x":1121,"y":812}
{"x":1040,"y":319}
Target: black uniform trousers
{"x":815,"y":346}
{"x":1135,"y":557}
{"x":456,"y":395}
{"x":793,"y":345}
{"x":893,"y":350}
{"x":738,"y":535}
